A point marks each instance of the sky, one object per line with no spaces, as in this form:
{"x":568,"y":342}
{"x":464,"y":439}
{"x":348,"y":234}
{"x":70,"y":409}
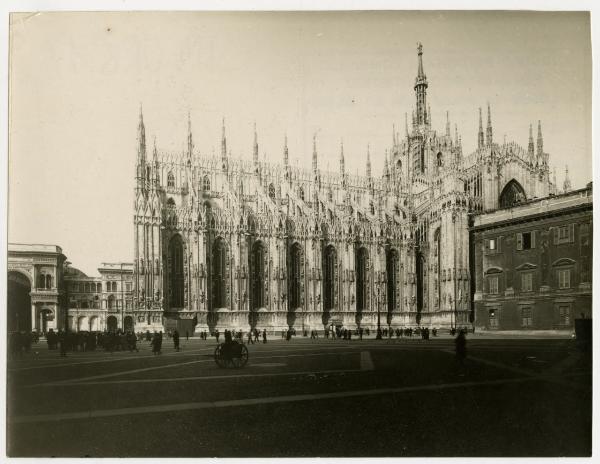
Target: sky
{"x":77,"y":81}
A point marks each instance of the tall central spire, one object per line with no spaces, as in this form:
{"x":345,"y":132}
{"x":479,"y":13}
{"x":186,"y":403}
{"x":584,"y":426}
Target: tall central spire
{"x":421,"y":90}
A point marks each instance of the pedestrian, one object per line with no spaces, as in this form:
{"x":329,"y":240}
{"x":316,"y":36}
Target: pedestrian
{"x":155,"y":344}
{"x":360,"y":333}
{"x":187,"y":335}
{"x":288,"y":336}
{"x":176,"y":340}
{"x":217,"y":335}
{"x":461,"y":347}
{"x":250,"y":340}
{"x":264,"y":335}
{"x":256,"y":335}
{"x":62,"y":340}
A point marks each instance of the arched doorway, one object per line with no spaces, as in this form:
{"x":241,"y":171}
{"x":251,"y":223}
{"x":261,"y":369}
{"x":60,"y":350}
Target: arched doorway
{"x":128,"y":323}
{"x":111,"y":323}
{"x":46,"y":315}
{"x":176,"y":277}
{"x":18,"y":302}
{"x":362,"y":282}
{"x":94,"y":324}
{"x":512,"y":194}
{"x":393,"y":284}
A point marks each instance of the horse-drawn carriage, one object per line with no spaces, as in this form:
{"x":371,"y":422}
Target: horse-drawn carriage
{"x":231,"y":354}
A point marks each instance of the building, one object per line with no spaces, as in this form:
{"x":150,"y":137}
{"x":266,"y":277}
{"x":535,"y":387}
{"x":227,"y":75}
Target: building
{"x":103,"y":302}
{"x":533,"y":263}
{"x":237,"y":243}
{"x":35,"y":291}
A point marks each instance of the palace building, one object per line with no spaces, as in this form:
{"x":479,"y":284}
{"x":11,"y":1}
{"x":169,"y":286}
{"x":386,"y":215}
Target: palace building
{"x":236,"y":243}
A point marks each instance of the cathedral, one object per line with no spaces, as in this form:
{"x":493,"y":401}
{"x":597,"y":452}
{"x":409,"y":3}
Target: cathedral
{"x":242,"y":243}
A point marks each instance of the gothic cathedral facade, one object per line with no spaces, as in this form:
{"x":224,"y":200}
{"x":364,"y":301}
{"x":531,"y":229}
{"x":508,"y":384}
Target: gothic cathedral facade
{"x":233,"y":243}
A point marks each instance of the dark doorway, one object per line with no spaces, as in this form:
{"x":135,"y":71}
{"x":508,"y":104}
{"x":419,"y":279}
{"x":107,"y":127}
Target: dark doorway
{"x":128,"y":323}
{"x":18,"y":303}
{"x":111,"y":323}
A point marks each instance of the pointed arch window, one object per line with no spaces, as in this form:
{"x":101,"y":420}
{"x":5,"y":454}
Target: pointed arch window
{"x":170,"y":180}
{"x":329,"y":278}
{"x":301,"y":193}
{"x":176,"y":275}
{"x":271,"y":191}
{"x":219,"y":278}
{"x":392,"y":282}
{"x":257,"y":275}
{"x":296,"y":274}
{"x":362,"y":279}
{"x":205,"y":184}
{"x":48,"y":281}
{"x":512,"y":194}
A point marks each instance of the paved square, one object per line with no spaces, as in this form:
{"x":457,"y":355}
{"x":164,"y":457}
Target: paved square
{"x":406,"y":397}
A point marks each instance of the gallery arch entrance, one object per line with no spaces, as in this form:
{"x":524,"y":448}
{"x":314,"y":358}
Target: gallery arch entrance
{"x":111,"y":323}
{"x":18,"y":303}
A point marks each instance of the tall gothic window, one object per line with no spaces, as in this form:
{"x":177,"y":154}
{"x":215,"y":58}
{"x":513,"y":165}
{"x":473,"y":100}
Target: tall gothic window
{"x":219,"y":276}
{"x":392,"y":281}
{"x":271,"y":191}
{"x":437,"y":243}
{"x":301,"y":193}
{"x":206,"y":184}
{"x":512,"y":194}
{"x":362,"y":279}
{"x":257,"y":275}
{"x":420,"y":265}
{"x":296,"y":273}
{"x":176,"y":278}
{"x":170,"y":180}
{"x":329,"y":278}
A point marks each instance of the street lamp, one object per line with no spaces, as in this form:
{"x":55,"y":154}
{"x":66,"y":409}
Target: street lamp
{"x":378,"y":336}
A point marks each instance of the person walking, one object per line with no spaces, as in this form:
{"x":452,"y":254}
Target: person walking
{"x":264,"y":335}
{"x":250,"y":340}
{"x":176,"y":340}
{"x":187,"y":335}
{"x":288,"y":335}
{"x":461,"y":347}
{"x":217,"y":335}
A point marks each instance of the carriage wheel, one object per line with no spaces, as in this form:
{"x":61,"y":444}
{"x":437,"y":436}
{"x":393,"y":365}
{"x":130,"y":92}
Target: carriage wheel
{"x":219,"y":356}
{"x":242,"y":359}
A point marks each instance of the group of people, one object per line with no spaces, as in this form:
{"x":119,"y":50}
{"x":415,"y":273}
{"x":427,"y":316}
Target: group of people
{"x":253,"y":336}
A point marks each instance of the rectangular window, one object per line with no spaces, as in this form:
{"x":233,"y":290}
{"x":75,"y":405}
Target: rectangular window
{"x":564,"y":234}
{"x":493,"y":319}
{"x":527,"y":282}
{"x":128,"y":286}
{"x":564,"y":278}
{"x":526,"y":316}
{"x":492,"y":244}
{"x":564,"y":315}
{"x":493,"y":285}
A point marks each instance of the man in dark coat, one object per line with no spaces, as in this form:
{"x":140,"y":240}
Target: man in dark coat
{"x":176,"y":340}
{"x":461,"y":347}
{"x":264,"y":335}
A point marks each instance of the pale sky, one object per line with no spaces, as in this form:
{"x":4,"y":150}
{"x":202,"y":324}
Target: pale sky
{"x":77,"y":80}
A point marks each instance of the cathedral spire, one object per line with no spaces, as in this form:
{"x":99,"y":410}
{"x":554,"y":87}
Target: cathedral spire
{"x":421,"y":89}
{"x":255,"y":146}
{"x":314,"y":155}
{"x":141,"y":138}
{"x":530,"y":147}
{"x":190,"y":142}
{"x":223,"y":141}
{"x":488,"y":132}
{"x":447,"y":123}
{"x":540,"y":140}
{"x":286,"y":155}
{"x":155,"y":153}
{"x":406,"y":124}
{"x":368,"y":161}
{"x":394,"y":134}
{"x":480,"y":133}
{"x":567,"y":182}
{"x":386,"y":169}
{"x":342,"y":161}
{"x":456,"y":134}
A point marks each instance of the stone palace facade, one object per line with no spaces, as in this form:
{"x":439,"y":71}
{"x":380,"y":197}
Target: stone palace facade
{"x":235,"y":243}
